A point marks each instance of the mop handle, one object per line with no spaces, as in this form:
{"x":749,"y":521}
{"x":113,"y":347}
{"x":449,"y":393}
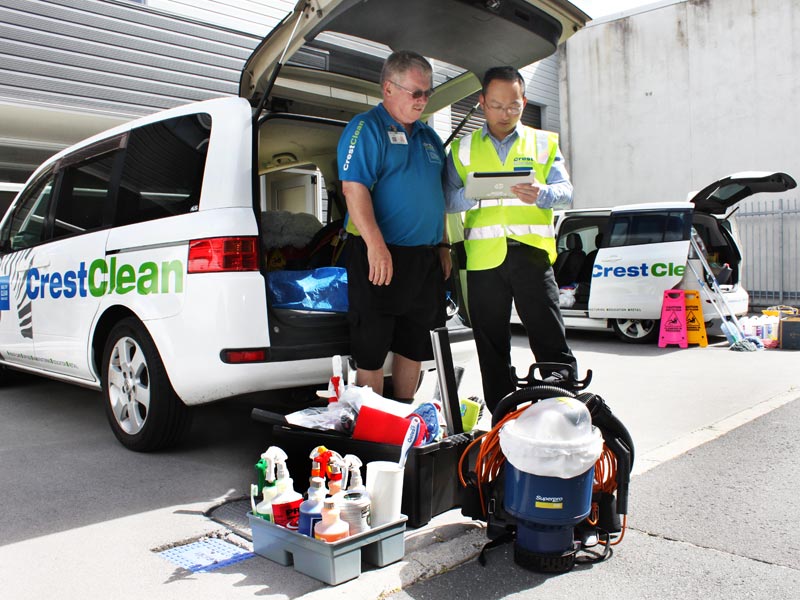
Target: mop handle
{"x":704,"y":288}
{"x":715,"y":285}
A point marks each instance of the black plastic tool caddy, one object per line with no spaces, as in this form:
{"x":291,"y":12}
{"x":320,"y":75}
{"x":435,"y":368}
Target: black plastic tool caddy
{"x":430,"y":481}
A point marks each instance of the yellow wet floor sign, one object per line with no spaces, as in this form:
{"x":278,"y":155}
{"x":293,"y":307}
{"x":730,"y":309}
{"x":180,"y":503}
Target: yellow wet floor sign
{"x":673,"y":319}
{"x":695,"y":326}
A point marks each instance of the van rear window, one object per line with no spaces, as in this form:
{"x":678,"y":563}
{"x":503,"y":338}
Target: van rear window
{"x":649,"y":227}
{"x":163,"y":170}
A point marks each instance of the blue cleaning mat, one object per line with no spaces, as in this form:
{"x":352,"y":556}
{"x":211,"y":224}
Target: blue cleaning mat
{"x":206,"y":555}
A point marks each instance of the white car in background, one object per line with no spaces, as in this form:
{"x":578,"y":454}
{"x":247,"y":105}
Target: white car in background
{"x":621,"y":260}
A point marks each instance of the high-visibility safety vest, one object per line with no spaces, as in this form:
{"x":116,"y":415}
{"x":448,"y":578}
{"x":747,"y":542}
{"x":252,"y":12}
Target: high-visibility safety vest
{"x":490,"y":222}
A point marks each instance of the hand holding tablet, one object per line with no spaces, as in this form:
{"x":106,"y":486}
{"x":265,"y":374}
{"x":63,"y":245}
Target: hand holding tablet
{"x":496,"y":184}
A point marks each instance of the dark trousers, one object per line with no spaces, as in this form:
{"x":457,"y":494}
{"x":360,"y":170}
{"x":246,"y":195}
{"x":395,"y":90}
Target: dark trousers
{"x":525,"y":277}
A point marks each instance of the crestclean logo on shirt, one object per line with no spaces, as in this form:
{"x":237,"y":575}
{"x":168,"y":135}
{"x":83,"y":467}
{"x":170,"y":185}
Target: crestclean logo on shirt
{"x":352,"y":147}
{"x":106,"y":277}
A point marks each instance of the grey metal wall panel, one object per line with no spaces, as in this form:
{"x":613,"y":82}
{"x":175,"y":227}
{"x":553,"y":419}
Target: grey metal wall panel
{"x":122,"y":57}
{"x":252,"y":16}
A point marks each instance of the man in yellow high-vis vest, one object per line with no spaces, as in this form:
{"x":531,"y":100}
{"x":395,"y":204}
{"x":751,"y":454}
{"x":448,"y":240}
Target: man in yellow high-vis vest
{"x":510,"y":242}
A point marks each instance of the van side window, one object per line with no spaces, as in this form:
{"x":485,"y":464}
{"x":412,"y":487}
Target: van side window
{"x":26,"y":227}
{"x":163,"y":171}
{"x":83,"y":196}
{"x":649,"y":227}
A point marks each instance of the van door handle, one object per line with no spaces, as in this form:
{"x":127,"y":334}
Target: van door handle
{"x":612,"y":258}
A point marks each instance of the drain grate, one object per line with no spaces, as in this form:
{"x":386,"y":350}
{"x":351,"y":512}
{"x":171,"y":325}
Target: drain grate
{"x":206,"y":555}
{"x":233,"y":515}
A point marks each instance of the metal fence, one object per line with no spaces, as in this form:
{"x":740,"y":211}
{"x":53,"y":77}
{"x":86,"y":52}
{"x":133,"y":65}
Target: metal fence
{"x":769,"y":230}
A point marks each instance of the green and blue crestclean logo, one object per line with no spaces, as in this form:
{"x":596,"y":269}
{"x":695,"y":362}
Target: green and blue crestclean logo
{"x":643,"y":270}
{"x":106,"y":277}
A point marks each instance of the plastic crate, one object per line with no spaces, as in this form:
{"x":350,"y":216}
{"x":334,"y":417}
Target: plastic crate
{"x":430,"y":481}
{"x":334,"y":562}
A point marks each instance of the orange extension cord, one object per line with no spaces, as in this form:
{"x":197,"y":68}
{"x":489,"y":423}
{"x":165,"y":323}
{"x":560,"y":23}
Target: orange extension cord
{"x":490,"y":459}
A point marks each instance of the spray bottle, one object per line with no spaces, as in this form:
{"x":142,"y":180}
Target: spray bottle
{"x":335,"y":478}
{"x":266,"y":486}
{"x":331,"y":528}
{"x":311,"y":509}
{"x":354,"y":481}
{"x":286,"y":504}
{"x":354,"y":504}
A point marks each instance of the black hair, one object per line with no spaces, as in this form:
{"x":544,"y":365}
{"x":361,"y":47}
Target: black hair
{"x":503,"y":74}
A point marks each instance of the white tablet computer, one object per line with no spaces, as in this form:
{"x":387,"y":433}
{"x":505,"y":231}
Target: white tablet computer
{"x":483,"y":185}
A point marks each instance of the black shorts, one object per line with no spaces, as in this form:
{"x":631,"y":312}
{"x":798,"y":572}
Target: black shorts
{"x":398,"y":316}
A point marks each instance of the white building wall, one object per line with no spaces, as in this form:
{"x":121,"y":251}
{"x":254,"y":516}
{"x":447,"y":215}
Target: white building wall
{"x":664,"y":101}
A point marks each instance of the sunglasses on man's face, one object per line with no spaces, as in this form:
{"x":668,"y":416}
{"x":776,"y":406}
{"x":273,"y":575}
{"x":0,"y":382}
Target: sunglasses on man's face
{"x":415,"y":94}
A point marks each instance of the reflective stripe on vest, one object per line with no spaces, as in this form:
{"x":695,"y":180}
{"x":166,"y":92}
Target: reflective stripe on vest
{"x":490,"y":222}
{"x":497,"y":231}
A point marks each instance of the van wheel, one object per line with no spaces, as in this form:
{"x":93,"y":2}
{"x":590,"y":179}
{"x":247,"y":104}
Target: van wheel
{"x":636,"y":331}
{"x":142,"y":408}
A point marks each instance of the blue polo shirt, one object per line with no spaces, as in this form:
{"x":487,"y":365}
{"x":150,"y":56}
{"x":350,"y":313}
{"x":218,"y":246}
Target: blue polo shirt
{"x":403,"y":172}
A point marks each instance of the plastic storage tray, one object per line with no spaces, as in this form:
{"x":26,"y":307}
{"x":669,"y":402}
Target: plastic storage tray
{"x":430,"y":481}
{"x":335,"y":562}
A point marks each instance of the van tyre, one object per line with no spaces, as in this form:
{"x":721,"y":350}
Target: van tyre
{"x":636,"y":331}
{"x":143,"y":410}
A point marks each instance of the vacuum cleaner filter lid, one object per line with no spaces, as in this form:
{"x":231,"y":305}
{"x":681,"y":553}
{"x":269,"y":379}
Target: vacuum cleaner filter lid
{"x":552,"y":438}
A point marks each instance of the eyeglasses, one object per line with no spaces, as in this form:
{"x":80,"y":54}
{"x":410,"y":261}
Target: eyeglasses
{"x":415,"y":94}
{"x":514,"y":109}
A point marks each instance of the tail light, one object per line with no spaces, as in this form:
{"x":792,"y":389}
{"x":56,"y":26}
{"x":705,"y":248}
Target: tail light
{"x":244,"y":355}
{"x":216,"y":255}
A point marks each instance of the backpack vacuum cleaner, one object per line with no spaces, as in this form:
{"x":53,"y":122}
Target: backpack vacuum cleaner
{"x":552,"y":475}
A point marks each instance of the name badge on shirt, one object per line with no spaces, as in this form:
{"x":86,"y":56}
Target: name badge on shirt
{"x":397,"y":137}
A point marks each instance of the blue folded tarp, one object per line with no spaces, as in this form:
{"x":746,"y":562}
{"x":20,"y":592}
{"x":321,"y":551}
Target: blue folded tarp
{"x":322,"y":289}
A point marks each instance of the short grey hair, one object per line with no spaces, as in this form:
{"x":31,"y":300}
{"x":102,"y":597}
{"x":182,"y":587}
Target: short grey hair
{"x":401,"y":62}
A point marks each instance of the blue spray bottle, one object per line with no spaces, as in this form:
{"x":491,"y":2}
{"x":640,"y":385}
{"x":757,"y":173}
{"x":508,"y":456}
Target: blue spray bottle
{"x":311,"y":508}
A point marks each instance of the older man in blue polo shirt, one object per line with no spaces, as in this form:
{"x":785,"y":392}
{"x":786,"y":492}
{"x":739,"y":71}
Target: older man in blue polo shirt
{"x":391,"y":166}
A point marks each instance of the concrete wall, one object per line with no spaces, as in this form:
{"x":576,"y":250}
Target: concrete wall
{"x":665,"y":100}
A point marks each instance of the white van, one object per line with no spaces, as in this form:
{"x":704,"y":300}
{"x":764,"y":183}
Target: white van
{"x":170,"y":262}
{"x":621,"y":260}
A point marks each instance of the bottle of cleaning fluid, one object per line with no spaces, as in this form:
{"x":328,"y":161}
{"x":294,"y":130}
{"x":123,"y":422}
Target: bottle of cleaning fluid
{"x":331,"y":528}
{"x":335,"y":479}
{"x":266,"y":486}
{"x":747,"y":326}
{"x":311,"y":508}
{"x":354,"y":503}
{"x":354,"y":481}
{"x":263,"y":509}
{"x":265,"y":467}
{"x":286,"y":504}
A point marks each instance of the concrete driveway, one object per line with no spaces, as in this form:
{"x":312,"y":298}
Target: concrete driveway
{"x":83,"y":516}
